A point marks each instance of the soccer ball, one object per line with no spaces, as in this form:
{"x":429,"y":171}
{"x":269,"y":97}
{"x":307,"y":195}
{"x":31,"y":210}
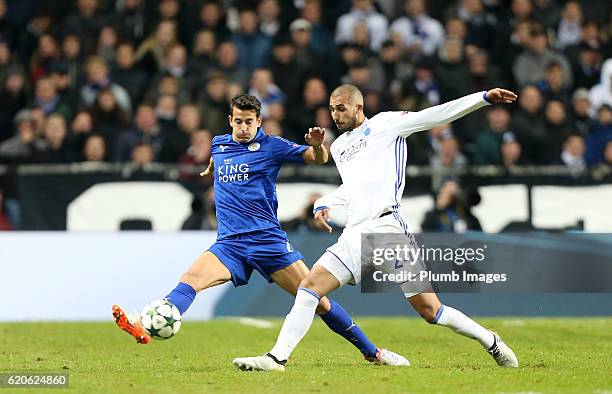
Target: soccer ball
{"x":161,"y":319}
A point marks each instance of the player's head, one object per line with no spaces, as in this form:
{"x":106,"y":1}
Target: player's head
{"x":346,"y":106}
{"x":245,"y":117}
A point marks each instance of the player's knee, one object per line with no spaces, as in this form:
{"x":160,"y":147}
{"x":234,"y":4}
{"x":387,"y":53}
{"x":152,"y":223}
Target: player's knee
{"x":307,"y":283}
{"x":428,"y":312}
{"x":324,"y":306}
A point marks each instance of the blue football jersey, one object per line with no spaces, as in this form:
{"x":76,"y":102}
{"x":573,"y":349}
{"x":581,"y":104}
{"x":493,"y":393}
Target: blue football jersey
{"x":245,"y":181}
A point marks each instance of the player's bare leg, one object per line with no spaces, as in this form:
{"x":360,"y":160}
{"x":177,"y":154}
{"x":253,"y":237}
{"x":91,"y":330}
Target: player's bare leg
{"x":289,"y":279}
{"x":321,"y":281}
{"x":431,"y":309}
{"x":207,"y":271}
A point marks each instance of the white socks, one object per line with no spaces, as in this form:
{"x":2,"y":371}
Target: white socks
{"x":463,"y":325}
{"x":297,"y":323}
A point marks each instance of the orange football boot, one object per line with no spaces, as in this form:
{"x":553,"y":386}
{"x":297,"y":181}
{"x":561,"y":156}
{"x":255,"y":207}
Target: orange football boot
{"x":134,"y":328}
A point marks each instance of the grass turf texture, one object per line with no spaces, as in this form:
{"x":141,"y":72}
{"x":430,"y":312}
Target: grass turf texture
{"x":556,"y":355}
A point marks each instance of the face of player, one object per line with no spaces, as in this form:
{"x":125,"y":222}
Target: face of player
{"x":244,"y":124}
{"x":345,"y":113}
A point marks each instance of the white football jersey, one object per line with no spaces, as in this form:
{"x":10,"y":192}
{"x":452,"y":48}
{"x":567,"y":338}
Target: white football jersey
{"x":371,"y":159}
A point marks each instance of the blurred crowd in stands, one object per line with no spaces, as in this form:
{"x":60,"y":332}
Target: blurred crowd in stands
{"x":146,"y":81}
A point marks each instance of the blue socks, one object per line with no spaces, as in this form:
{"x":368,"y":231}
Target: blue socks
{"x":341,"y":323}
{"x":182,"y":296}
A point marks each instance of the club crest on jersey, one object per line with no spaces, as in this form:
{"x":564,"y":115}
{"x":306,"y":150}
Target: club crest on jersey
{"x":254,"y":146}
{"x":349,"y":152}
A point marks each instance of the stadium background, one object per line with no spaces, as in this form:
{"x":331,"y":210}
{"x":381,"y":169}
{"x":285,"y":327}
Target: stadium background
{"x":108,"y":110}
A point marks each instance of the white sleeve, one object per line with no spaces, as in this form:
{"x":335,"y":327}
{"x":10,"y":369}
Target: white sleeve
{"x":378,"y":28}
{"x":338,"y":197}
{"x":344,"y":29}
{"x":405,"y":123}
{"x":434,"y":37}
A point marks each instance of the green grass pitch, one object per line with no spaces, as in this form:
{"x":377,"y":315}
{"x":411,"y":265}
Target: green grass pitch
{"x":556,"y":356}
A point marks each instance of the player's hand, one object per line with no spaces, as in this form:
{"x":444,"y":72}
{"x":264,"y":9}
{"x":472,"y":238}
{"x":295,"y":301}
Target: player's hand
{"x":209,"y":169}
{"x":321,"y":218}
{"x":315,"y":136}
{"x":499,"y":96}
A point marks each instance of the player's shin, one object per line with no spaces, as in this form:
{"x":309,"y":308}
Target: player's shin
{"x":296,"y":324}
{"x":341,"y":323}
{"x":182,"y":296}
{"x":455,"y":320}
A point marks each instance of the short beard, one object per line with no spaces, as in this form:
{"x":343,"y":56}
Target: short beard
{"x":349,"y":128}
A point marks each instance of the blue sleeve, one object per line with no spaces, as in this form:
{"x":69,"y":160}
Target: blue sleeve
{"x":287,"y":151}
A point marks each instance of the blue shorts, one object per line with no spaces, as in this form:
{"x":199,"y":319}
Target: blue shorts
{"x":267,"y":251}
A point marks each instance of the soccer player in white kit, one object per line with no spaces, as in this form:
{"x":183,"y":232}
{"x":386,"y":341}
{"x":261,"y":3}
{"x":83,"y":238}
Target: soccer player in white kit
{"x":371,"y":158}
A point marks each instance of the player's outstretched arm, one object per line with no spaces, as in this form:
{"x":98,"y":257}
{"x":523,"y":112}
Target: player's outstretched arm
{"x":407,"y":123}
{"x":316,"y":154}
{"x":209,"y":169}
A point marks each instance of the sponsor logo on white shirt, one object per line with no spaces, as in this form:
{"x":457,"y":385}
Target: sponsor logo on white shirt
{"x":350,"y":152}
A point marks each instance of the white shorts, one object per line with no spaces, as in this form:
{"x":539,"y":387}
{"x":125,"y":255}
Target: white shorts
{"x":343,"y":259}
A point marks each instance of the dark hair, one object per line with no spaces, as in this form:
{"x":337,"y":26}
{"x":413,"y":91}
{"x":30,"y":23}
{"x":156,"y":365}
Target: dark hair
{"x":95,"y":134}
{"x":572,"y":134}
{"x":246,"y":8}
{"x":246,"y":102}
{"x":590,"y":22}
{"x":125,"y":43}
{"x":142,"y":144}
{"x":537,"y":30}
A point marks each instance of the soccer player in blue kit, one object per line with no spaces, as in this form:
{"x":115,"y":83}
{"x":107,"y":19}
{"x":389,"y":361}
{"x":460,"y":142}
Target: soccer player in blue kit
{"x":245,"y":165}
